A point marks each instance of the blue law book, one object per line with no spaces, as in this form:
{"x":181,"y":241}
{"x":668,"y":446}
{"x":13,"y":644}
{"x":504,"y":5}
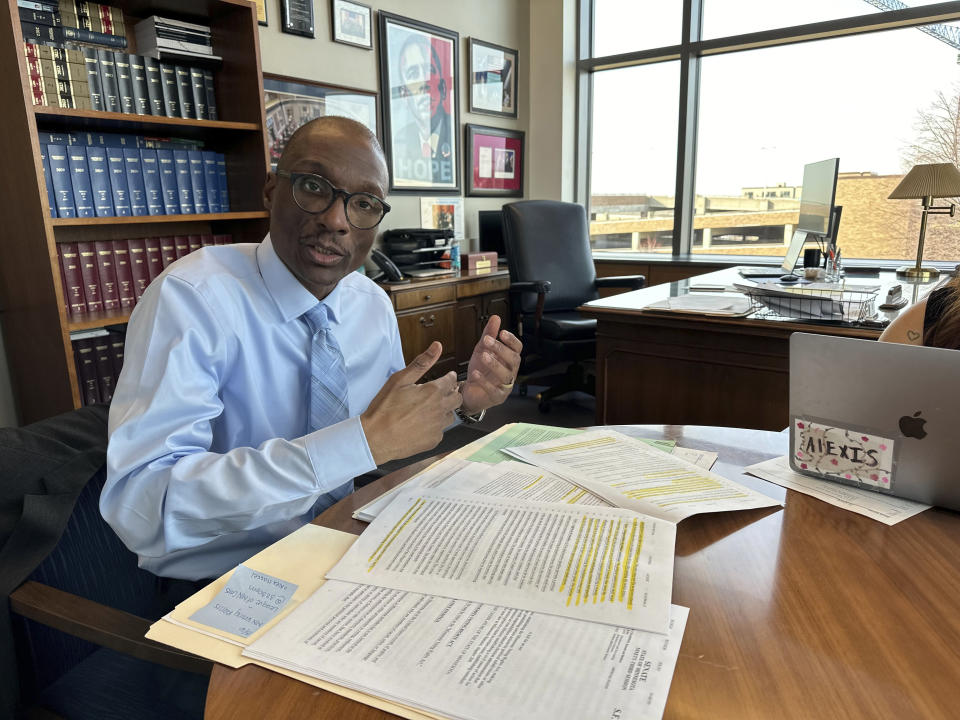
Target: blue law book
{"x":181,"y":164}
{"x":51,"y":203}
{"x":151,"y":181}
{"x":118,"y":182}
{"x":100,"y":180}
{"x":60,"y":179}
{"x":168,"y":182}
{"x":197,"y":181}
{"x":222,"y":172}
{"x":211,"y":178}
{"x":49,"y":138}
{"x":138,"y":193}
{"x":80,"y":179}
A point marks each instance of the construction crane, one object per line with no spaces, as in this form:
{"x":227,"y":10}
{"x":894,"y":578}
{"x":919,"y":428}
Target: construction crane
{"x":945,"y":33}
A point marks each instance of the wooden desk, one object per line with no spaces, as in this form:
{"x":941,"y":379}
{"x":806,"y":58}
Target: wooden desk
{"x":806,"y":612}
{"x":452,"y":310}
{"x":695,"y":369}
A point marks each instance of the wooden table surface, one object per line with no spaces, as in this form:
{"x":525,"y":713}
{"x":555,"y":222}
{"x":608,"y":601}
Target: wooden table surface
{"x":806,"y":612}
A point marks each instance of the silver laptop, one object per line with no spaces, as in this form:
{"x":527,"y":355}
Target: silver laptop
{"x":786,"y":267}
{"x":880,"y":416}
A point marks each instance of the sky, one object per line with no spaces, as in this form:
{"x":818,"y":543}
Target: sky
{"x":765,"y":113}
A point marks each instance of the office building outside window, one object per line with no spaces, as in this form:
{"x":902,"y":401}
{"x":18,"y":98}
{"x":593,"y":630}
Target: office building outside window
{"x":879,"y":100}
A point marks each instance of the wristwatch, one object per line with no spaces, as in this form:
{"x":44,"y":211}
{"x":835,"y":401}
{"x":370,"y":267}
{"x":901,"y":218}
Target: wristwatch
{"x":469,"y":418}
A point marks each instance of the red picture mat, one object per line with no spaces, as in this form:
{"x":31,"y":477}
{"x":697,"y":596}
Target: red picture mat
{"x":488,"y":151}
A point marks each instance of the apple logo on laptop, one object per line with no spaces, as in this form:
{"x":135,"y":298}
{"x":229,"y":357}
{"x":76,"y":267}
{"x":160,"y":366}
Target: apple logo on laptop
{"x":913,"y":426}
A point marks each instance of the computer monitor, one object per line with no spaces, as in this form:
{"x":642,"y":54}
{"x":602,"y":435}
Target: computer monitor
{"x":491,"y":233}
{"x":817,"y":196}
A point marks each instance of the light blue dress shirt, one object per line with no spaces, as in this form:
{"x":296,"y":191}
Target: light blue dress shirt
{"x":209,"y":459}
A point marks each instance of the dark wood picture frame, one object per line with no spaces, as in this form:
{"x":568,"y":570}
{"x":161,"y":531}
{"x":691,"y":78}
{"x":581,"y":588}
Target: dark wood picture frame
{"x":312,"y":93}
{"x":296,"y":18}
{"x":486,"y":75}
{"x":336,"y":26}
{"x":262,"y":6}
{"x":494,"y":160}
{"x":419,"y":67}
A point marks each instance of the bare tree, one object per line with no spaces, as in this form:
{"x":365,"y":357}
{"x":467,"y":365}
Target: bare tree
{"x":938,"y":132}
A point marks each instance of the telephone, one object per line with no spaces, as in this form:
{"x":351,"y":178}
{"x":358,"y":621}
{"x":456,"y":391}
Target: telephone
{"x":387,"y":266}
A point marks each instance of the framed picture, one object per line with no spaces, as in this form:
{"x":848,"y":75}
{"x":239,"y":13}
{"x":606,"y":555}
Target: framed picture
{"x":494,"y":161}
{"x":352,"y":23}
{"x":296,"y":17}
{"x":418,"y":79}
{"x":440,"y":213}
{"x":290,"y":103}
{"x":493,"y":79}
{"x":261,"y":6}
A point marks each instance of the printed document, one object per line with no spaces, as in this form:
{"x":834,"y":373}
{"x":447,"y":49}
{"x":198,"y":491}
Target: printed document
{"x":594,"y":563}
{"x":629,"y":474}
{"x":475,"y":661}
{"x":883,"y":508}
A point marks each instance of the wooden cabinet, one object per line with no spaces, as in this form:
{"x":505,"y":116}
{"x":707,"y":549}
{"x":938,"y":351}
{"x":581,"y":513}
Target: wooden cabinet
{"x":36,"y":324}
{"x":451,"y":310}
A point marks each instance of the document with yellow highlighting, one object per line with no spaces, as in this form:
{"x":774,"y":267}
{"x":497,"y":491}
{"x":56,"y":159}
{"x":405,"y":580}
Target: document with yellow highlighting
{"x":600,"y":564}
{"x":629,"y":474}
{"x":475,"y":661}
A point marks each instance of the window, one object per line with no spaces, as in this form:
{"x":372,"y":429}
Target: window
{"x":880,"y":101}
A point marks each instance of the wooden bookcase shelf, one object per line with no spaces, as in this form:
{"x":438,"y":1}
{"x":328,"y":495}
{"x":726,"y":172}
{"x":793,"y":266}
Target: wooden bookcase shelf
{"x":163,"y":219}
{"x":36,"y":326}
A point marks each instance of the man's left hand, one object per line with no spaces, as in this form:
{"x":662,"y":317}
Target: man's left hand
{"x":492,"y":370}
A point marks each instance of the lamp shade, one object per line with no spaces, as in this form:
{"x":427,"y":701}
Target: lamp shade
{"x":933,"y":180}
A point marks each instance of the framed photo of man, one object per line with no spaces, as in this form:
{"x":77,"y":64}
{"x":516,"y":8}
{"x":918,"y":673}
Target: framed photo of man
{"x":494,"y":161}
{"x":289,"y":103}
{"x":352,"y":23}
{"x":418,"y":79}
{"x":493,"y":78}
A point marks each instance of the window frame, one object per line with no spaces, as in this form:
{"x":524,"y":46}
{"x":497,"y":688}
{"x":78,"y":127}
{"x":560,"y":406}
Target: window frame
{"x":689,"y":52}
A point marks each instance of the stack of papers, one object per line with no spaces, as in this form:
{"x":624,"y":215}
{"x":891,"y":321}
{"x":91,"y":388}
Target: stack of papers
{"x":490,"y":589}
{"x":704,"y":304}
{"x":826,"y":301}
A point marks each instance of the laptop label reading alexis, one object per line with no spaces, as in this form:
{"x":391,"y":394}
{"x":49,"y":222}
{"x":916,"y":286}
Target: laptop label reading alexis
{"x":847,"y":455}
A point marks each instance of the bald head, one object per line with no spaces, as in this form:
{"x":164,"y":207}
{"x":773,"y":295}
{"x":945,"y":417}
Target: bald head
{"x":335,"y":128}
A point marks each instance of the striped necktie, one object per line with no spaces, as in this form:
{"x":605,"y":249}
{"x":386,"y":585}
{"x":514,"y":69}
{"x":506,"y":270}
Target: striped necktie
{"x":329,"y":402}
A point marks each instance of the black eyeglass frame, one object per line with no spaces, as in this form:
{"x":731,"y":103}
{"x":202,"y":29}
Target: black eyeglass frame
{"x":294,"y":176}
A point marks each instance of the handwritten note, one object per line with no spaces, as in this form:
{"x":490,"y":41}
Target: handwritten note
{"x":837,"y":453}
{"x":248,"y":601}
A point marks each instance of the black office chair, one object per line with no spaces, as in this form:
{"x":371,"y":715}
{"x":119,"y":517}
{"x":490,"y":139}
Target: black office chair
{"x":551,"y":274}
{"x":78,"y":603}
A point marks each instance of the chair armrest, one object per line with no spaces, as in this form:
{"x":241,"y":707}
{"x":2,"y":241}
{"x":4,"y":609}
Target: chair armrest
{"x":633,"y":282}
{"x":541,"y":288}
{"x":537,"y":286}
{"x":99,"y":624}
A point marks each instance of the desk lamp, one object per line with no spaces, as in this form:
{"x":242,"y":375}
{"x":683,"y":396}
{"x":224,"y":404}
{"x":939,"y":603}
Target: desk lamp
{"x":926,"y":182}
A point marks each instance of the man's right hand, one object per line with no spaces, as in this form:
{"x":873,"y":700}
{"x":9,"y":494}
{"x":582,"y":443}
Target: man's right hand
{"x":405,"y":418}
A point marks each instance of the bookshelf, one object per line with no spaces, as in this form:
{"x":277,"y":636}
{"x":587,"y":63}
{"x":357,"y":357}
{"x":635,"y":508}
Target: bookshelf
{"x":36,"y":325}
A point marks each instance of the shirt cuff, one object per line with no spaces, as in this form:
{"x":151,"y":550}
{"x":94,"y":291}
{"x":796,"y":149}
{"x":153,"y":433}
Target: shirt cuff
{"x":339,"y":453}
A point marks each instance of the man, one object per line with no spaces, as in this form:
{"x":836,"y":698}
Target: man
{"x":260,"y":379}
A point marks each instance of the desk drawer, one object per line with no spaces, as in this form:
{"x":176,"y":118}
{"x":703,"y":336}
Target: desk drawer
{"x":483,"y":286}
{"x":419,"y":328}
{"x":424,"y":296}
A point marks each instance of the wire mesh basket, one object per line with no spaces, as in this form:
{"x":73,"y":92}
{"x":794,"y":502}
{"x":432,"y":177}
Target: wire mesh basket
{"x":838,"y":304}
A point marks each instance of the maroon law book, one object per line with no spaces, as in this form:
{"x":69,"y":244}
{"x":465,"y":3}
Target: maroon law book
{"x":154,"y":258}
{"x":182,"y":245}
{"x":108,"y":275}
{"x":195,"y":242}
{"x":222,"y":239}
{"x":73,"y":280}
{"x":121,"y":262}
{"x":104,"y":365}
{"x":138,"y":266}
{"x":168,"y":251}
{"x":206,"y":240}
{"x":63,"y":281}
{"x":90,"y":276}
{"x":87,"y":370}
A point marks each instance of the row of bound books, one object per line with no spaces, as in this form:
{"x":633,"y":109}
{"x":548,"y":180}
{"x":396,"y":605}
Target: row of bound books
{"x":71,"y":21}
{"x":106,"y":275}
{"x":98,"y":355}
{"x":58,"y":77}
{"x":95,"y":181}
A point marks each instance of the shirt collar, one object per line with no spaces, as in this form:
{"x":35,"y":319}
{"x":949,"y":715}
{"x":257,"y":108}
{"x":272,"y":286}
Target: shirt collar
{"x":290,"y":296}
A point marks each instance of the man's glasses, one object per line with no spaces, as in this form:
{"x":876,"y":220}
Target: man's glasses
{"x":315,"y":194}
